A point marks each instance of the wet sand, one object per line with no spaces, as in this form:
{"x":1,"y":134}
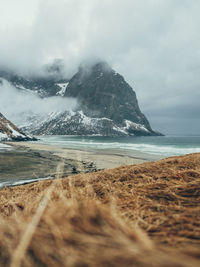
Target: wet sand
{"x":29,"y":160}
{"x":23,"y":163}
{"x":103,"y":159}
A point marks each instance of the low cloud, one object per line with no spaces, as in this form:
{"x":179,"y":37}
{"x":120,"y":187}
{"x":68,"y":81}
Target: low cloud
{"x":19,"y":105}
{"x":154,"y":44}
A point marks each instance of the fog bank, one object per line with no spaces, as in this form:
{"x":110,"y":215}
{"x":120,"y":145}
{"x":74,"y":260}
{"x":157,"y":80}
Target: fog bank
{"x":18,"y":106}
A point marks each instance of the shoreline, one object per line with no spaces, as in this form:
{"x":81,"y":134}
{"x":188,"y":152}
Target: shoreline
{"x":151,"y":208}
{"x":102,"y":158}
{"x":28,"y":162}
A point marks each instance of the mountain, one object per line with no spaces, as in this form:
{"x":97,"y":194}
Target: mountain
{"x":103,"y":93}
{"x":9,"y":132}
{"x":107,"y":105}
{"x":41,"y":86}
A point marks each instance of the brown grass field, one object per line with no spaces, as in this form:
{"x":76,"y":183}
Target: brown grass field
{"x":139,"y":215}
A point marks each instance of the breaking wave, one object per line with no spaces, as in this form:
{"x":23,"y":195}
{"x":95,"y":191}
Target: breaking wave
{"x":4,"y":147}
{"x":165,"y":146}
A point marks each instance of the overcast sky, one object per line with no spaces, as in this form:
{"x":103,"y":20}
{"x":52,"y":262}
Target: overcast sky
{"x":154,"y":44}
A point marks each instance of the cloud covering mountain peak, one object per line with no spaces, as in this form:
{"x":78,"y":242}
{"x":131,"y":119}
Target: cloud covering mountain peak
{"x":153,"y":43}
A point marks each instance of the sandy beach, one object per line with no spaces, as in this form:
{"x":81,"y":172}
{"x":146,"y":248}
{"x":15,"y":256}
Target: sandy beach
{"x":22,"y":162}
{"x":28,"y":161}
{"x":103,"y":159}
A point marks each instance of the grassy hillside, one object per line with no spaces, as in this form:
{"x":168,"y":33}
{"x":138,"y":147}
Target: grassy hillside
{"x":139,"y":215}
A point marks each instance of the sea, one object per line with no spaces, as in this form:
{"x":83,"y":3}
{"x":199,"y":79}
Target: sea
{"x":4,"y":147}
{"x":151,"y":148}
{"x":163,"y":146}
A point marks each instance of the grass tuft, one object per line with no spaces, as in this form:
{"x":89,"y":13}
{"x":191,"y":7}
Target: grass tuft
{"x":139,"y":215}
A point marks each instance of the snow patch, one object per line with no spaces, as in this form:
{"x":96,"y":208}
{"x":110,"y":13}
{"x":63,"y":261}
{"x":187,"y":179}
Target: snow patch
{"x":63,"y":87}
{"x":14,"y":132}
{"x":136,"y":126}
{"x":3,"y":137}
{"x":120,"y":130}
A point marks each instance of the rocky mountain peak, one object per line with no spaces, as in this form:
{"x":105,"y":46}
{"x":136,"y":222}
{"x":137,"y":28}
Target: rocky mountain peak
{"x":101,"y":67}
{"x":107,"y":104}
{"x":103,"y":93}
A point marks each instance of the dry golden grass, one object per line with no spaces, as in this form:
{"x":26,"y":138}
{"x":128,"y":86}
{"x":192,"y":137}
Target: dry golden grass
{"x":139,"y":215}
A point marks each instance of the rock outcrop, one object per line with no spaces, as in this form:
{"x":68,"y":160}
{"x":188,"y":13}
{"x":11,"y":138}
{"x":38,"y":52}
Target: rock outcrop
{"x":103,"y":94}
{"x":9,"y":132}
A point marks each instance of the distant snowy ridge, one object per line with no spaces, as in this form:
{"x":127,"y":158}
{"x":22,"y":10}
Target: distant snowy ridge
{"x":79,"y":124}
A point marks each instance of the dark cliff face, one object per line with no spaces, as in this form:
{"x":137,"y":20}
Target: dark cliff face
{"x":107,"y":105}
{"x":101,"y":92}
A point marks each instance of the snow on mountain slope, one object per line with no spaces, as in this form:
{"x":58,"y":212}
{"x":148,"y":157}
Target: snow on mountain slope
{"x":76,"y":123}
{"x":24,"y":106}
{"x":95,"y":101}
{"x":9,"y":132}
{"x":63,"y":87}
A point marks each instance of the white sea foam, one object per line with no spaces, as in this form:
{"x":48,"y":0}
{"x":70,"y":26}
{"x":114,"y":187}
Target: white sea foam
{"x":165,"y":147}
{"x":163,"y":150}
{"x":22,"y":182}
{"x":4,"y":147}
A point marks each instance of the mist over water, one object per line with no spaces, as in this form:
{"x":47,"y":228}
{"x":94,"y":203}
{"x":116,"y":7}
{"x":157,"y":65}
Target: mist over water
{"x":18,"y":106}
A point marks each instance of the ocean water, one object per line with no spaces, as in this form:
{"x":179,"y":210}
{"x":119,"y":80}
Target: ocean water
{"x":4,"y":147}
{"x":155,"y":147}
{"x":162,"y":145}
